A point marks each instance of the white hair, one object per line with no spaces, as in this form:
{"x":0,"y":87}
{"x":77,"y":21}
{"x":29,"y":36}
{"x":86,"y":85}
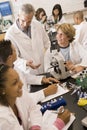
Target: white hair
{"x":27,"y":9}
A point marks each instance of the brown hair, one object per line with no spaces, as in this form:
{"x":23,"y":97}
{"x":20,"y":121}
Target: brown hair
{"x":78,"y":14}
{"x":37,"y":13}
{"x":58,"y":7}
{"x":5,"y":50}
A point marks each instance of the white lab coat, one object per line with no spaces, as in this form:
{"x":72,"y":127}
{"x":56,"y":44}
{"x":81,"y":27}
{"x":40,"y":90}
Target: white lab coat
{"x":39,"y":95}
{"x":81,"y":33}
{"x":28,"y":111}
{"x":30,"y":49}
{"x":62,"y":20}
{"x":78,"y":55}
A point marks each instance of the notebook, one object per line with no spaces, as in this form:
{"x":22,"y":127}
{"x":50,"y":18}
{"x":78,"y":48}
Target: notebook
{"x":60,"y":91}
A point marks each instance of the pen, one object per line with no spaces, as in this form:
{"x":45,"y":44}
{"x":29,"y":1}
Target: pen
{"x":50,"y":82}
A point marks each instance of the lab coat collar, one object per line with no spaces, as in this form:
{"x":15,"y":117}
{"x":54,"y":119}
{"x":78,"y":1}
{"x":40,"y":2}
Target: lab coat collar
{"x":5,"y":110}
{"x":17,"y":32}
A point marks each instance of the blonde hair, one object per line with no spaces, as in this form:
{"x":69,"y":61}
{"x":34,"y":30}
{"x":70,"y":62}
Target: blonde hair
{"x":68,"y":30}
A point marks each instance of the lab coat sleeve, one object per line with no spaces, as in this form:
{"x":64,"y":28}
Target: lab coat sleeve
{"x":35,"y":116}
{"x":77,"y":32}
{"x":81,"y":34}
{"x":47,"y":60}
{"x":30,"y":78}
{"x":46,"y":40}
{"x":83,"y":56}
{"x":78,"y":54}
{"x":33,"y":79}
{"x":21,"y":64}
{"x":38,"y":96}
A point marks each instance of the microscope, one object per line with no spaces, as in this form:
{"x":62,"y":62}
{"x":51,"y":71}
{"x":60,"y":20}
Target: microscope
{"x":59,"y":70}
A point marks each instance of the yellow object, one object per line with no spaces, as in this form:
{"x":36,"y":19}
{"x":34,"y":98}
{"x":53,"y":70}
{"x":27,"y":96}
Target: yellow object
{"x":82,"y":102}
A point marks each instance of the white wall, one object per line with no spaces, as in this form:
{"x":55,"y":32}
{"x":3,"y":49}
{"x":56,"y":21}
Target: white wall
{"x":68,"y":6}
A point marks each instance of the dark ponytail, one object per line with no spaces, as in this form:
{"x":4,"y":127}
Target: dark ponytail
{"x":3,"y":70}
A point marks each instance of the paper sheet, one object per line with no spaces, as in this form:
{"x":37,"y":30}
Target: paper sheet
{"x":49,"y":118}
{"x":60,"y":92}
